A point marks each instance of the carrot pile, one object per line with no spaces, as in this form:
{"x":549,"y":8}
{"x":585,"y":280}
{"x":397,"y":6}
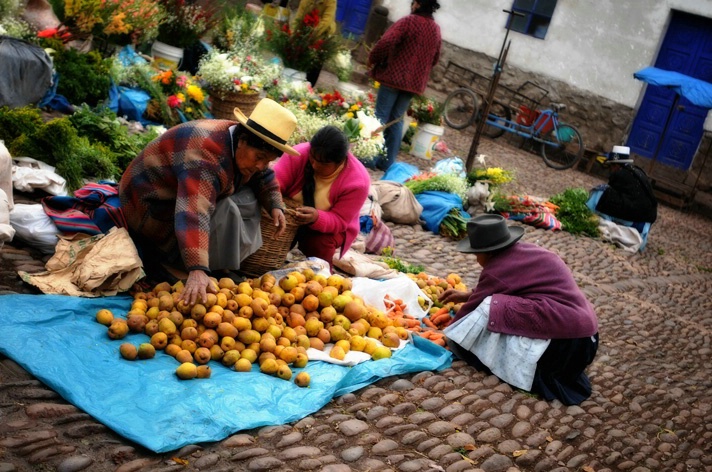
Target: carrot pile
{"x":396,"y":309}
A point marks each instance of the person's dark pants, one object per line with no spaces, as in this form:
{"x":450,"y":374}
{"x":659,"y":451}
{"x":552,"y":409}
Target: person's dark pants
{"x":559,"y":372}
{"x":391,"y":103}
{"x":316,"y":244}
{"x":313,"y":75}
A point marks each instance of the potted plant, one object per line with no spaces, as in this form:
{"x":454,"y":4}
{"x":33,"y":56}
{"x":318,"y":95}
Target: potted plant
{"x":235,"y":80}
{"x":115,"y":22}
{"x":301,"y":49}
{"x":428,"y":114}
{"x":183,"y":26}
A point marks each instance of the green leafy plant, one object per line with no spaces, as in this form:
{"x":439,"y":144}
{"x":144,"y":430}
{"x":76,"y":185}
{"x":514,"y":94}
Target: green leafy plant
{"x":574,"y":215}
{"x":454,"y":225}
{"x":14,"y":122}
{"x":450,"y":183}
{"x":399,"y":264}
{"x":83,"y":77}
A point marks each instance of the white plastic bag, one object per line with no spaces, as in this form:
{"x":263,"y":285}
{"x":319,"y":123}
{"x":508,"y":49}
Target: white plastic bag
{"x":29,"y":174}
{"x":6,"y":230}
{"x":6,"y":173}
{"x":374,"y":292}
{"x":33,"y":227}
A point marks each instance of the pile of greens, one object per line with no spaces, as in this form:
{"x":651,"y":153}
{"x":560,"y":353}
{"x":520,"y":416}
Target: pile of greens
{"x":574,"y":215}
{"x":454,"y":225}
{"x":450,"y":183}
{"x":399,"y":264}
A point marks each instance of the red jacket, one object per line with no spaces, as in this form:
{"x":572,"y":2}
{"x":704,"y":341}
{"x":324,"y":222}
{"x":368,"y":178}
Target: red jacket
{"x":407,"y":52}
{"x":533,"y":295}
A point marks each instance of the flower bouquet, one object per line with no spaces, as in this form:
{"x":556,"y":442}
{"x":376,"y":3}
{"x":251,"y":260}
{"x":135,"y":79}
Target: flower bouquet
{"x":236,"y":80}
{"x":425,"y":110}
{"x":239,"y":30}
{"x":184,"y":23}
{"x":301,"y":48}
{"x":119,"y":22}
{"x":494,"y":176}
{"x":342,"y":65}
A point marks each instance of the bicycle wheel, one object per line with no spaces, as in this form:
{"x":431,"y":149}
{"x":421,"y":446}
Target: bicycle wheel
{"x":562,"y":147}
{"x":500,"y":115}
{"x":460,"y":108}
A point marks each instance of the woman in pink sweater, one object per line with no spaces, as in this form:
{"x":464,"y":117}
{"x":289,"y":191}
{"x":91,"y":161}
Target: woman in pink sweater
{"x":331,"y":185}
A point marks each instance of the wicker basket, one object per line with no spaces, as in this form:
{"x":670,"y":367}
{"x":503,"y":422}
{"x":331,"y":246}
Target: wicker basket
{"x":224,"y":108}
{"x":273,"y":253}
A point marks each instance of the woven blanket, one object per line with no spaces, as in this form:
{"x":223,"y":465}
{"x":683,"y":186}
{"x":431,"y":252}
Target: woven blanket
{"x":532,"y":211}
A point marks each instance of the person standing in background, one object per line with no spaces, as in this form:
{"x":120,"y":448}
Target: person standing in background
{"x":401,"y":61}
{"x":326,"y":27}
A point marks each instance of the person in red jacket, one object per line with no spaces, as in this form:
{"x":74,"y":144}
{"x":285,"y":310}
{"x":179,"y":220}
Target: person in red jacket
{"x":401,"y":61}
{"x":526,"y":321}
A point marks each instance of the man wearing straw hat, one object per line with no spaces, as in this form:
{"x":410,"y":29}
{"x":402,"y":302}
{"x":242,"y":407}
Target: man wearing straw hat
{"x":191,"y":198}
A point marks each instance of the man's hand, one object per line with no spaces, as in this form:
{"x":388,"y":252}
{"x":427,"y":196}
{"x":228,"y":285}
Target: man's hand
{"x":306,"y":215}
{"x":279,"y":221}
{"x":197,"y":287}
{"x":455,"y":296}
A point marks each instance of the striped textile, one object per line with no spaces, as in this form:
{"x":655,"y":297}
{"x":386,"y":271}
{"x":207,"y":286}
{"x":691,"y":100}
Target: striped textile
{"x":529,"y":211}
{"x":94,"y":209}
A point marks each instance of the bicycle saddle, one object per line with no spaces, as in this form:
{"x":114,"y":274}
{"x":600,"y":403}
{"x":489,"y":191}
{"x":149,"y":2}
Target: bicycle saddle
{"x":557,"y":107}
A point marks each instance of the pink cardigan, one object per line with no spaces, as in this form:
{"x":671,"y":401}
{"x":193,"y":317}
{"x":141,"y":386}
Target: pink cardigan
{"x":347,"y":194}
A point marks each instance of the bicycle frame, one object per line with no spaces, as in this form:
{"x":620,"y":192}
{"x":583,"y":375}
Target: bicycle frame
{"x":547,"y":120}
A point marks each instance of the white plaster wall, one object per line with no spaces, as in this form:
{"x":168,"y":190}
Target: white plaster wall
{"x":595,"y":45}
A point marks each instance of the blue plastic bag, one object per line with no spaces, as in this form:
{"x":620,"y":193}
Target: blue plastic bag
{"x":129,"y":102}
{"x":400,"y":172}
{"x":451,"y":165}
{"x":436,"y":205}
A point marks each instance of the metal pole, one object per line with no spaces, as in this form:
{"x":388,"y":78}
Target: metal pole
{"x":494,"y":81}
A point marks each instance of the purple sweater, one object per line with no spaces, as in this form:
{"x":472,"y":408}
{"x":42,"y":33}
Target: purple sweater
{"x":346,"y":195}
{"x":533,"y":295}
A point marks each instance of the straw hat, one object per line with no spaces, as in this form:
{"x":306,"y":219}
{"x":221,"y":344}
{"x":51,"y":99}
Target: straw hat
{"x":488,"y":233}
{"x":271,"y":122}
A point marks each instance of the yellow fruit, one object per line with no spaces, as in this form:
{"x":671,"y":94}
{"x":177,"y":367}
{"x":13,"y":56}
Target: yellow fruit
{"x":146,"y":351}
{"x":358,"y":343}
{"x":344,"y":344}
{"x":269,"y":366}
{"x":128,"y":351}
{"x":381,"y":352}
{"x":118,"y":329}
{"x":187,"y":371}
{"x":249,"y":354}
{"x":230,"y":357}
{"x":243,"y":365}
{"x":172,"y":350}
{"x":390,"y":339}
{"x":370,"y":347}
{"x":284,"y":372}
{"x":302,"y":379}
{"x":203,"y":371}
{"x":337,"y":352}
{"x":301,"y":360}
{"x":104,"y":317}
{"x":159,"y":340}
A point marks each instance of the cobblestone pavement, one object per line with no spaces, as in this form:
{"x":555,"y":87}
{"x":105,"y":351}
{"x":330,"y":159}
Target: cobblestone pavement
{"x":651,"y":408}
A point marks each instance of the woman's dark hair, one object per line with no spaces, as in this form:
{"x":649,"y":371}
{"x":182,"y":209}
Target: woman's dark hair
{"x":427,"y":7}
{"x":252,"y":140}
{"x":329,"y":144}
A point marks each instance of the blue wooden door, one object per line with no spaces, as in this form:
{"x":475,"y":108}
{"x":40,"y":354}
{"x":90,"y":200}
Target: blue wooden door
{"x":353,"y":15}
{"x":668,"y":128}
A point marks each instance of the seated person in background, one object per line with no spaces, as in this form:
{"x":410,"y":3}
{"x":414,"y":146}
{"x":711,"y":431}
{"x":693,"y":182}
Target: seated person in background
{"x":526,"y":321}
{"x":628,"y":197}
{"x":191,"y":198}
{"x":331,"y":185}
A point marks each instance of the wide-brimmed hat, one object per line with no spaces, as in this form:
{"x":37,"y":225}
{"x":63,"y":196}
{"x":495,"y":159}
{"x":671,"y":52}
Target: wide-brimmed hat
{"x":619,"y":155}
{"x":488,"y":233}
{"x":271,"y":122}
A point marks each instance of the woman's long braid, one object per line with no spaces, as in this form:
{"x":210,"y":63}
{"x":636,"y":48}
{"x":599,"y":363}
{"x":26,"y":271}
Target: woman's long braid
{"x":309,"y":185}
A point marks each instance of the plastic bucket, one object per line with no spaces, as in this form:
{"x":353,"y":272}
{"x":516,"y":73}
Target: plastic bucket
{"x":425,"y":139}
{"x":165,"y":56}
{"x":292,"y":75}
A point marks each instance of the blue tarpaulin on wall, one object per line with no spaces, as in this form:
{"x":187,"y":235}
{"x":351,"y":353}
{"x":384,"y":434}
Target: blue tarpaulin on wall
{"x":144,"y":401}
{"x":696,"y":91}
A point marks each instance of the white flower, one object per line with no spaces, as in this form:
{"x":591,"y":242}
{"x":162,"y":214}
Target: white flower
{"x":480,"y":159}
{"x":369,"y":124}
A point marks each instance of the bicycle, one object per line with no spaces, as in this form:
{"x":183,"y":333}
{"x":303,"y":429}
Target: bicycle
{"x":561,"y":145}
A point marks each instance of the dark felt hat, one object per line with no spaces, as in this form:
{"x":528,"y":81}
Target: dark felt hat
{"x":488,"y":233}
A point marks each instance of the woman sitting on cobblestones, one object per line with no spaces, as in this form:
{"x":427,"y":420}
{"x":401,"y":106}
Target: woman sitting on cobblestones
{"x":526,"y":321}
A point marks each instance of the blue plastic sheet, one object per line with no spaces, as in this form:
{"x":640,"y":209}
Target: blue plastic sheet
{"x":436,"y":205}
{"x":695,"y":90}
{"x":129,"y":102}
{"x":400,"y":172}
{"x":145,"y":402}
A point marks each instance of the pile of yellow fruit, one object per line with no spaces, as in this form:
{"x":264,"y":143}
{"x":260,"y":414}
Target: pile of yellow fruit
{"x":266,"y":321}
{"x":434,"y":286}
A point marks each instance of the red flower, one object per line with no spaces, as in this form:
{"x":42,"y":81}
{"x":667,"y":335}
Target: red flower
{"x":312,"y":18}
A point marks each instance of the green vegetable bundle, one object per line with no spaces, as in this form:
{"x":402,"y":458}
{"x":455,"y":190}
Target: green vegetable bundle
{"x":450,"y":183}
{"x":454,"y":225}
{"x":574,"y":215}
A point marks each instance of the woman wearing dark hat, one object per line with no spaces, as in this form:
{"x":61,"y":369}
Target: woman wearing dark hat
{"x":191,"y":198}
{"x":526,"y":321}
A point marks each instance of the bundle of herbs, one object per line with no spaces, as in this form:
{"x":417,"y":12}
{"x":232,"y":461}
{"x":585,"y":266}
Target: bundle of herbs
{"x":454,"y":225}
{"x":399,"y":264}
{"x":574,"y":215}
{"x":449,"y":183}
{"x":83,"y":77}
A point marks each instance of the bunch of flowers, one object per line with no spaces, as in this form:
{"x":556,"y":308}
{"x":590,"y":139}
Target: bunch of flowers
{"x":182,"y":95}
{"x":342,"y":64}
{"x":224,"y":73}
{"x":301,"y":48}
{"x":116,"y":21}
{"x":239,"y":29}
{"x":425,"y":110}
{"x":493,"y":175}
{"x":185,"y":23}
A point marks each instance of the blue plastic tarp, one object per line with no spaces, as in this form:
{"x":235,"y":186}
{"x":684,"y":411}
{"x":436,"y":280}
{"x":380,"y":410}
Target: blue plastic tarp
{"x":436,"y":206}
{"x":400,"y":172}
{"x":697,"y":91}
{"x":145,"y":402}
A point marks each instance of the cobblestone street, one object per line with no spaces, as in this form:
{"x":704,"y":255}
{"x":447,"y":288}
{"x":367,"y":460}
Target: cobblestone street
{"x":651,"y":407}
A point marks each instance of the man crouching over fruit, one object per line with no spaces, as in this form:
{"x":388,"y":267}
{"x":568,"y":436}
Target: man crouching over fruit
{"x":191,"y":198}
